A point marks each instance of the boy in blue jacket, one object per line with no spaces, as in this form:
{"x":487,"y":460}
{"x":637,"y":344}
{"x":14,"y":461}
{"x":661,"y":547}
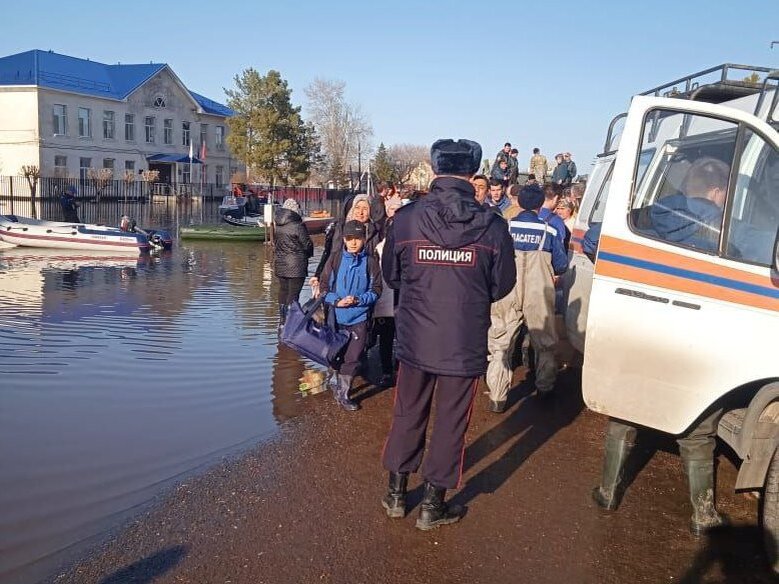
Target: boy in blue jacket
{"x":351,"y":284}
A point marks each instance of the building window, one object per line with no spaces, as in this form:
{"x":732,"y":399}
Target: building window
{"x":185,"y":133}
{"x":109,"y":125}
{"x":149,"y":125}
{"x":84,"y":129}
{"x":219,"y":177}
{"x":203,"y":135}
{"x":60,"y":120}
{"x":168,"y":131}
{"x":129,"y":127}
{"x":186,"y":177}
{"x":108,"y":163}
{"x":159,"y":102}
{"x":84,"y":164}
{"x":61,"y":166}
{"x":220,"y":138}
{"x":129,"y":165}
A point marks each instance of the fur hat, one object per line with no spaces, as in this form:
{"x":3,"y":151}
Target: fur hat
{"x":461,"y":158}
{"x":531,"y":197}
{"x":292,"y":205}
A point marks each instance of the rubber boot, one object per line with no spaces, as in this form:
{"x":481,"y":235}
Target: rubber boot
{"x":342,"y":393}
{"x":609,"y":493}
{"x":700,"y":478}
{"x":434,"y":512}
{"x":395,"y":499}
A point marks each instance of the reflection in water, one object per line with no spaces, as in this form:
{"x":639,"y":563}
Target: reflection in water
{"x":287,"y":370}
{"x":120,"y":374}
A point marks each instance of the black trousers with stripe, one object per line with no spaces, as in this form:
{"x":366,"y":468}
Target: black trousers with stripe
{"x":405,"y":446}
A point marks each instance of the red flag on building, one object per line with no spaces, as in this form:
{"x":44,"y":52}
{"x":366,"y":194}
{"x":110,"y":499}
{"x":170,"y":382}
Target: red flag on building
{"x":203,"y":150}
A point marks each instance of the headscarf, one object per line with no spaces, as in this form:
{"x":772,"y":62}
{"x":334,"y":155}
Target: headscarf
{"x":355,"y":200}
{"x":393,"y":203}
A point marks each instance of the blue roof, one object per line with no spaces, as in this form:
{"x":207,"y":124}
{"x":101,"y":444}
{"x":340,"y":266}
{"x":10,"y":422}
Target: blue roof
{"x":210,"y":106}
{"x":55,"y":71}
{"x":173,"y":158}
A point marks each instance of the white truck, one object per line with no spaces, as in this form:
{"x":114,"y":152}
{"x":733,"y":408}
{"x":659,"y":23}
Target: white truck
{"x":675,"y":326}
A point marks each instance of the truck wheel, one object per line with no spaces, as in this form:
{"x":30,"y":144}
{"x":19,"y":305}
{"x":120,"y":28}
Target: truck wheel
{"x":770,"y":513}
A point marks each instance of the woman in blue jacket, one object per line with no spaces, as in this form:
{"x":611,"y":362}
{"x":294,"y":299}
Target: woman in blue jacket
{"x":351,"y":284}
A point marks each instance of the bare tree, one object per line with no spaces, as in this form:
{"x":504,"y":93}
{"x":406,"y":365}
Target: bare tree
{"x":32,"y":173}
{"x":341,"y":126}
{"x":101,"y":178}
{"x":405,"y":158}
{"x":149,"y":177}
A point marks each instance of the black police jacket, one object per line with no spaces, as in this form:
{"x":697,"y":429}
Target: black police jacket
{"x":450,"y":259}
{"x":293,"y":246}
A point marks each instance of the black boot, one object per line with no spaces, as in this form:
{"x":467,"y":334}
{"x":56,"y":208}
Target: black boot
{"x":609,"y":493}
{"x":434,"y":512}
{"x":282,"y":316}
{"x":342,"y":393}
{"x":700,"y":478}
{"x":395,"y":499}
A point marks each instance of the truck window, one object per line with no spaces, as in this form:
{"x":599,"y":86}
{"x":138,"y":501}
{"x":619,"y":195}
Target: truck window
{"x":599,"y":207}
{"x":754,"y":214}
{"x":681,"y":191}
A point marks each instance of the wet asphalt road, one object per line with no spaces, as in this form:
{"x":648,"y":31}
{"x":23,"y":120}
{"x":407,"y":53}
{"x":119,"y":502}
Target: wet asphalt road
{"x":305,"y":508}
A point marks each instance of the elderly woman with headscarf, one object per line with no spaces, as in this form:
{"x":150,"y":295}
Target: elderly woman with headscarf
{"x":384,"y":310}
{"x":293,"y":247}
{"x":358,"y":209}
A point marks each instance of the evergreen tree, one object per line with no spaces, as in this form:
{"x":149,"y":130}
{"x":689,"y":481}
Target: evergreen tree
{"x":267,"y":133}
{"x":383,"y":167}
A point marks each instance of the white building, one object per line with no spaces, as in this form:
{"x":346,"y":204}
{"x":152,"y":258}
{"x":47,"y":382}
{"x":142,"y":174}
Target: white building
{"x":67,"y":115}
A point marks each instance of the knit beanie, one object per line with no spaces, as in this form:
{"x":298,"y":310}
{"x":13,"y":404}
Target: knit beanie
{"x":292,"y":205}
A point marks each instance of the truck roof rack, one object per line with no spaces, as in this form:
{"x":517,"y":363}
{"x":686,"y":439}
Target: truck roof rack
{"x":714,"y":85}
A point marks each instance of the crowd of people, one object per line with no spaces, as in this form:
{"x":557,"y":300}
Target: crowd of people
{"x":448,"y":287}
{"x":390,"y":269}
{"x":505,"y":168}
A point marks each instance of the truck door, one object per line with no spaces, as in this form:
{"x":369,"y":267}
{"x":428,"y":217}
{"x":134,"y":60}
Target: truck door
{"x":684,"y":304}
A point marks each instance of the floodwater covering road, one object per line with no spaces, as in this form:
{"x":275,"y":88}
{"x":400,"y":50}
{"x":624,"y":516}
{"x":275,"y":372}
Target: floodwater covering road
{"x":305,"y":508}
{"x":120,"y":375}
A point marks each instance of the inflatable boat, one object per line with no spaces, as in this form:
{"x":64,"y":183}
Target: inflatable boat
{"x":27,"y":232}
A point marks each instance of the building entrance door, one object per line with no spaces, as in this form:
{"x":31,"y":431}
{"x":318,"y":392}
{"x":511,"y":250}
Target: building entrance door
{"x":165,"y":170}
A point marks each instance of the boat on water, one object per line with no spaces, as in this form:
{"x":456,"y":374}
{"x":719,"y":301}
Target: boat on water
{"x":28,"y":232}
{"x":317,"y":223}
{"x":250,"y":221}
{"x":245,"y":229}
{"x":224,"y":232}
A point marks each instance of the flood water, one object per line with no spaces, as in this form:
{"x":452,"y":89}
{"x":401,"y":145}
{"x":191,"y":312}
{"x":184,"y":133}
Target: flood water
{"x":119,"y":375}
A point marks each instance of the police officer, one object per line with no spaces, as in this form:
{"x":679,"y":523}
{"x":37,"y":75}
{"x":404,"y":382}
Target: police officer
{"x":539,"y":256}
{"x":450,"y":258}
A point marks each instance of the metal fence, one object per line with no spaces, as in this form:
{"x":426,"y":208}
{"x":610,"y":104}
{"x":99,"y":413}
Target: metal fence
{"x":149,"y":203}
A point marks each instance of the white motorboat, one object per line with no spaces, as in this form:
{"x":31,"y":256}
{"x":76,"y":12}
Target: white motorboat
{"x":27,"y":232}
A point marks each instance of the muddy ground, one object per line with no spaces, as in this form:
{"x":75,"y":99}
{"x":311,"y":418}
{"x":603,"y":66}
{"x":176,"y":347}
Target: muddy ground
{"x":305,"y":508}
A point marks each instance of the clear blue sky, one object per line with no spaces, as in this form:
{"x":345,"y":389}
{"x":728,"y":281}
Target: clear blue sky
{"x":534,"y":73}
